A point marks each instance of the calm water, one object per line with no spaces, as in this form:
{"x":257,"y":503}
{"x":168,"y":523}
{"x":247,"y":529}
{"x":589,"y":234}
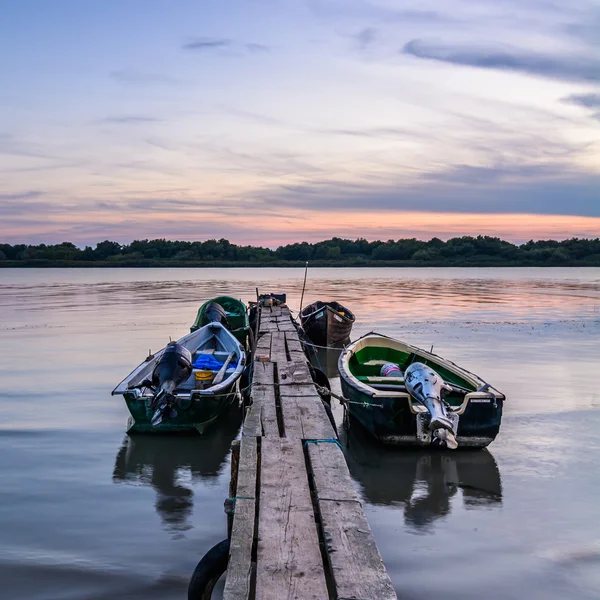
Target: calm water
{"x":86,"y":513}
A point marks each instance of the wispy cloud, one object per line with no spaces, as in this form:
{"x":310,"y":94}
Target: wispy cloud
{"x":257,"y":48}
{"x":365,"y":37}
{"x":131,"y":120}
{"x":462,"y":189}
{"x":565,"y":67}
{"x":204,"y":44}
{"x":585,"y":100}
{"x":20,"y":196}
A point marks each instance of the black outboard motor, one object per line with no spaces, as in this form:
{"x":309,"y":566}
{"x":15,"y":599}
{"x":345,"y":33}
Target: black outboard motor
{"x":173,"y":368}
{"x":216,"y":313}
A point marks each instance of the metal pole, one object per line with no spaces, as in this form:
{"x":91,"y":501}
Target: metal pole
{"x":304,"y":286}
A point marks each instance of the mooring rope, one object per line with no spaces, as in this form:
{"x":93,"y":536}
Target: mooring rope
{"x":327,"y":441}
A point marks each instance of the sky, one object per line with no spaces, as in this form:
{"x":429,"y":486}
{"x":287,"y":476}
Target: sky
{"x":275,"y":121}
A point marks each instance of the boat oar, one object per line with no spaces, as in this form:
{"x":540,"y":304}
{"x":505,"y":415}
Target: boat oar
{"x":221,"y":373}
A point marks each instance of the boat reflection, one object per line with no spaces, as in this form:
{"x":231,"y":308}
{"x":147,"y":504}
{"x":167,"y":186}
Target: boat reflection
{"x":169,"y":464}
{"x":426,"y":483}
{"x":326,"y":359}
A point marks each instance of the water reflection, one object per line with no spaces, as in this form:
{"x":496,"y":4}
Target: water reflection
{"x":171,"y":464}
{"x":327,"y":359}
{"x":427,"y":483}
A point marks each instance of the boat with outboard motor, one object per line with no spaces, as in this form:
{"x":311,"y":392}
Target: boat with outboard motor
{"x":228,"y":311}
{"x":326,"y":323}
{"x":407,"y":396}
{"x":186,"y":385}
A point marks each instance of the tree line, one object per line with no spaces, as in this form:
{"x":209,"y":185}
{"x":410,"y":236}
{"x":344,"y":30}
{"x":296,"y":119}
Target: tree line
{"x":459,"y":251}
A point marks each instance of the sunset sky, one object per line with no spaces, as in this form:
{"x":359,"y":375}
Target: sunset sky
{"x":274,"y":121}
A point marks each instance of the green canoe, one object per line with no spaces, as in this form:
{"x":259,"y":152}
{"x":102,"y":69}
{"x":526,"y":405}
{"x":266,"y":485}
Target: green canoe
{"x":236,"y":312}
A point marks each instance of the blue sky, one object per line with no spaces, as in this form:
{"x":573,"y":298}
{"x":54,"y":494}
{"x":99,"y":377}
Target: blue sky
{"x":270,"y":121}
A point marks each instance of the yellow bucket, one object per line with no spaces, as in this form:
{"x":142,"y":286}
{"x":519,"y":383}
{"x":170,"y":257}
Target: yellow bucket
{"x":203,"y":375}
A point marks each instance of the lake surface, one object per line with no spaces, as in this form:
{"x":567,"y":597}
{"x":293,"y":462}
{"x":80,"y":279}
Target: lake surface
{"x":88,"y":513}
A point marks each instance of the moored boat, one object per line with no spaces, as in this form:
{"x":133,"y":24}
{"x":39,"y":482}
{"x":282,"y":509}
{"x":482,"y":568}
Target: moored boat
{"x":400,"y":411}
{"x":234,"y":316}
{"x":326,"y":323}
{"x":186,"y":385}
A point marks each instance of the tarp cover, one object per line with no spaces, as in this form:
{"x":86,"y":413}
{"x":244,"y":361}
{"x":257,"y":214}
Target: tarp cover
{"x":210,"y":363}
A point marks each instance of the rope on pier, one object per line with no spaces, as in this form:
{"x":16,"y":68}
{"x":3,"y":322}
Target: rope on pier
{"x":230,"y":503}
{"x":327,"y":441}
{"x":343,"y":400}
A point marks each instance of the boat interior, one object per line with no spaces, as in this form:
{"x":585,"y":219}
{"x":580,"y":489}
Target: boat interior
{"x":365,"y":365}
{"x":319,"y":305}
{"x":213,"y":340}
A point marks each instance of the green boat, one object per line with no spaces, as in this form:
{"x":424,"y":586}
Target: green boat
{"x":209,"y":362}
{"x":236,"y":315}
{"x":384,"y":406}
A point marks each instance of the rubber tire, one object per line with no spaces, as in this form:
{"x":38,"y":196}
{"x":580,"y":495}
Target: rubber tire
{"x":208,"y":570}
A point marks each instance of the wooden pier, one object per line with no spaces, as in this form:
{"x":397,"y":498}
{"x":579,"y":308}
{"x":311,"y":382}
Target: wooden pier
{"x":299,"y":530}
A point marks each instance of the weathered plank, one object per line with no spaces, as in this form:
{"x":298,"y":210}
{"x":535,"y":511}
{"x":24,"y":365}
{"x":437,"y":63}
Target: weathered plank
{"x":289,"y":564}
{"x":262,"y":373}
{"x":292,"y":419}
{"x":278,"y":352}
{"x":286,"y":326}
{"x":297,"y":357}
{"x":267,"y":326}
{"x":239,"y":566}
{"x":298,"y":389}
{"x":276,"y":311}
{"x":330,"y":473}
{"x":304,"y":417}
{"x":355,"y":563}
{"x":268,"y":413}
{"x":252,"y":421}
{"x":293,"y":372}
{"x":263,"y":347}
{"x":293,"y":342}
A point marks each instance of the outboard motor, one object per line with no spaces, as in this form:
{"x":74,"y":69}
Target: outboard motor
{"x":216,"y":313}
{"x":426,"y":386}
{"x":173,"y":368}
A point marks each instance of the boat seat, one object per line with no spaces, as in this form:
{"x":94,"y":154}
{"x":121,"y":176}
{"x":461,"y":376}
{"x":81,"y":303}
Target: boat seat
{"x":378,"y":379}
{"x":375,"y":363}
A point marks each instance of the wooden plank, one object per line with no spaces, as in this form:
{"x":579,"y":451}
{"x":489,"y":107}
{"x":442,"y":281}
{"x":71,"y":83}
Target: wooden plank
{"x":293,"y":372}
{"x":315,"y":422}
{"x":287,"y":326}
{"x":262,"y":373}
{"x":354,"y":560}
{"x":297,"y":357}
{"x":289,"y":564}
{"x":276,"y":311}
{"x":356,"y":565}
{"x":246,"y":480}
{"x":278,"y":352}
{"x":264,"y":345}
{"x":330,"y":473}
{"x":252,"y":421}
{"x":298,"y":389}
{"x":293,"y":342}
{"x":268,"y":412}
{"x":239,"y":566}
{"x":267,"y":326}
{"x":292,"y":419}
{"x":305,"y":418}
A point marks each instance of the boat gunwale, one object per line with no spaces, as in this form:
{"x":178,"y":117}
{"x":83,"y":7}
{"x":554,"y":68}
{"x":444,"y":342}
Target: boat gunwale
{"x":327,"y":307}
{"x":230,"y":380}
{"x":350,"y":379}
